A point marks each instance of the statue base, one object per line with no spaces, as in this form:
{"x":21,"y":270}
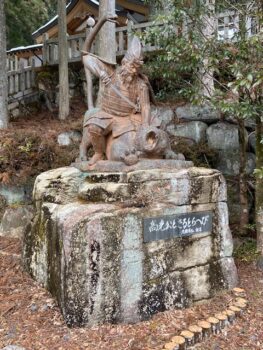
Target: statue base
{"x":143,"y":164}
{"x":121,"y":246}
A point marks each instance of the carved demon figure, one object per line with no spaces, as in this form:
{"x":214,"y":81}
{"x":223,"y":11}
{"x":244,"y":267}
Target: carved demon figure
{"x":121,"y":128}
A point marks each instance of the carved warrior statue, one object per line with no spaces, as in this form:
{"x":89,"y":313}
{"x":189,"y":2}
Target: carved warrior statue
{"x":122,"y":128}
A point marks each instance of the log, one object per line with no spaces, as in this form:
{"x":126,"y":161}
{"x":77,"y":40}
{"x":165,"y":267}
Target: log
{"x":239,"y":292}
{"x":206,"y":328}
{"x":242,"y":300}
{"x":236,"y":310}
{"x":171,"y":346}
{"x":189,"y":337}
{"x":215,"y":325}
{"x":223,"y":320}
{"x":240,"y":305}
{"x":179,"y":341}
{"x":230,"y":315}
{"x":197,"y":333}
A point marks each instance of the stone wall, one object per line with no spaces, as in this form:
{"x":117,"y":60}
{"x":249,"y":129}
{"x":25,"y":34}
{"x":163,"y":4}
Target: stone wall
{"x":86,"y":243}
{"x":205,"y":125}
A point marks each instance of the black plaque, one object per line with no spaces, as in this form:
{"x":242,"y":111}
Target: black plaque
{"x":181,"y":225}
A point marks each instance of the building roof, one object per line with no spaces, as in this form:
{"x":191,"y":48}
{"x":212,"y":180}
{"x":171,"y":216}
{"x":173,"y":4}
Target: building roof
{"x":121,"y":10}
{"x":30,"y":48}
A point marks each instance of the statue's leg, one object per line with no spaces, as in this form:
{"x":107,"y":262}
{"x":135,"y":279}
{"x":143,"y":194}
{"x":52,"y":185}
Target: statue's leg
{"x":84,"y":145}
{"x":98,"y":142}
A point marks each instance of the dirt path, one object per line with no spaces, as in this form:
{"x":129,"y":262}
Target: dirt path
{"x":29,"y":316}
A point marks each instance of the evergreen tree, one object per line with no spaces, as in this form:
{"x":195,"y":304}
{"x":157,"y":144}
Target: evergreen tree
{"x":23,"y":17}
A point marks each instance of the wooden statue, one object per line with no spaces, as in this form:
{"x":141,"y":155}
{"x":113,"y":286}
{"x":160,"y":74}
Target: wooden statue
{"x":121,"y":128}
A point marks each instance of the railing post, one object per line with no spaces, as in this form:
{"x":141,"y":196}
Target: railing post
{"x":120,"y":41}
{"x":129,"y":32}
{"x":22,"y":85}
{"x":45,"y":49}
{"x":16,"y":63}
{"x":33,"y":74}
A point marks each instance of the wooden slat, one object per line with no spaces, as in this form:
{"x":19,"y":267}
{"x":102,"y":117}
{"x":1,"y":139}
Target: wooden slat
{"x":120,"y":41}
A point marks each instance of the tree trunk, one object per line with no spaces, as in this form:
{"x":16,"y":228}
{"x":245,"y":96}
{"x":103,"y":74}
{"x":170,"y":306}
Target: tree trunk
{"x":243,"y":190}
{"x":63,"y":61}
{"x":107,"y":40}
{"x":3,"y":70}
{"x":208,"y":31}
{"x":259,"y":189}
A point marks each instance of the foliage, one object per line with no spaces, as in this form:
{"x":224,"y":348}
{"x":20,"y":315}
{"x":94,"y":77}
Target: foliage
{"x":26,"y":154}
{"x":200,"y":154}
{"x":236,"y":65}
{"x":259,"y":173}
{"x":23,"y":17}
{"x":247,"y":251}
{"x":225,"y":73}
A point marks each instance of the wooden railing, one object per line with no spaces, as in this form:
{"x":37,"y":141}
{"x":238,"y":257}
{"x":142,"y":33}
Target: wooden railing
{"x":227,"y":27}
{"x":21,"y":83}
{"x":75,"y":43}
{"x":124,"y":36}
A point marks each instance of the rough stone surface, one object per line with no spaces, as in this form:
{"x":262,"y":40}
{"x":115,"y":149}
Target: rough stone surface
{"x":15,"y":113}
{"x":223,"y":137}
{"x":205,"y":113}
{"x":143,"y":164}
{"x":249,"y":123}
{"x":252,"y":141}
{"x":57,"y":186}
{"x":192,"y":130}
{"x":163,"y":113}
{"x":104,"y":192}
{"x":229,"y":270}
{"x":15,"y":219}
{"x":67,"y":138}
{"x":89,"y":250}
{"x":3,"y":205}
{"x":233,"y":197}
{"x":229,"y":163}
{"x":16,"y":194}
{"x":251,"y":163}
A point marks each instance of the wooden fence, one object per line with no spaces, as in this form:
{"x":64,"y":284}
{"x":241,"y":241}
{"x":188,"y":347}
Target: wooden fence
{"x":227,"y":27}
{"x":21,"y":83}
{"x":75,"y":43}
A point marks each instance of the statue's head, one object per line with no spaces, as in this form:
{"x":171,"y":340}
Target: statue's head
{"x":132,"y":61}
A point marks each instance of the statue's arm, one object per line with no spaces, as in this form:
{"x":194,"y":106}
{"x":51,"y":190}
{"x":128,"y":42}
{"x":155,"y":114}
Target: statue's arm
{"x":97,"y":67}
{"x":145,"y":104}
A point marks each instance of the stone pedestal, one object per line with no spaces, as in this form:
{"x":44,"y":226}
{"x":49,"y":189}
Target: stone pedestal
{"x":119,"y":246}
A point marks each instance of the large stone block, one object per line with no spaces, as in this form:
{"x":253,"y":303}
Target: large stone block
{"x":195,"y":130}
{"x":229,"y":162}
{"x":15,"y":219}
{"x":57,"y":186}
{"x":223,"y":137}
{"x":92,"y":254}
{"x":16,"y":194}
{"x":164,"y":113}
{"x":205,"y":114}
{"x":69,"y":137}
